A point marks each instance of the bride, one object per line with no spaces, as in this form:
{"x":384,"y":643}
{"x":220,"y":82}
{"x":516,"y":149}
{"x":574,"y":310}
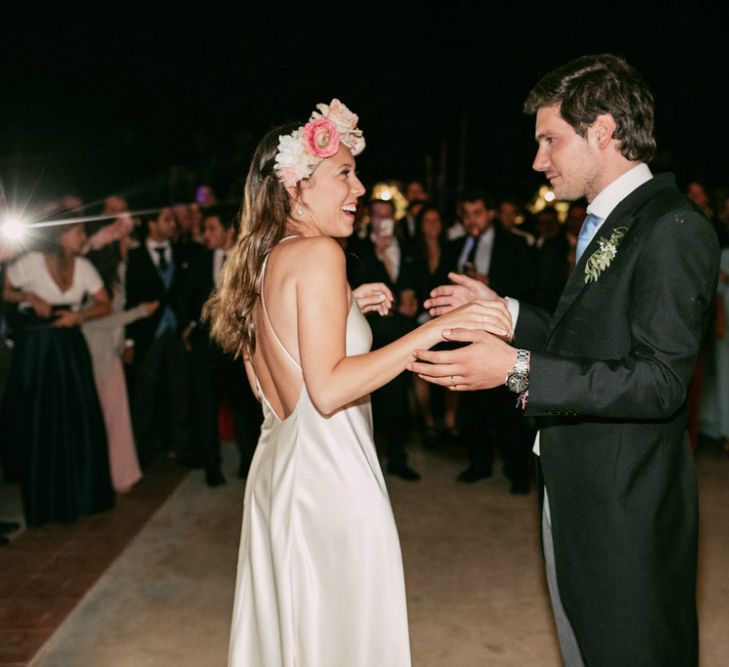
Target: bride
{"x":320,"y":579}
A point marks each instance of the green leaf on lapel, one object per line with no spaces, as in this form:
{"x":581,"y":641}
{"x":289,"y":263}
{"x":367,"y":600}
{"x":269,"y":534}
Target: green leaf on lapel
{"x":604,"y":255}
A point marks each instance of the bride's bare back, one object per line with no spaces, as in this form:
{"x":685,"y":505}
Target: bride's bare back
{"x":276,"y":315}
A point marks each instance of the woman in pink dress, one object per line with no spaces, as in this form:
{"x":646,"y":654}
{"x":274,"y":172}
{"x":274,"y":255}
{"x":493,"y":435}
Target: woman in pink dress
{"x":105,"y":339}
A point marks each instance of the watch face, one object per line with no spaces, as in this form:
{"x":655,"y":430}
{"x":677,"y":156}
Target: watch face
{"x":517,"y":382}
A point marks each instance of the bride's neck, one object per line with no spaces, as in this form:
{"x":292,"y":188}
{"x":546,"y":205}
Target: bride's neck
{"x":300,"y":228}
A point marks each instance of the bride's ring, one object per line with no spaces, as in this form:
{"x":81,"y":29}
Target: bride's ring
{"x":453,"y":382}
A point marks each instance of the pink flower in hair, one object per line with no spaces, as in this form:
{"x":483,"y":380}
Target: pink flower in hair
{"x":346,"y":122}
{"x":321,"y":137}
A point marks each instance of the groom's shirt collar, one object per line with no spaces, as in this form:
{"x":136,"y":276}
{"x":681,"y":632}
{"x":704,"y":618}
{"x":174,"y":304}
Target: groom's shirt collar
{"x":619,"y":189}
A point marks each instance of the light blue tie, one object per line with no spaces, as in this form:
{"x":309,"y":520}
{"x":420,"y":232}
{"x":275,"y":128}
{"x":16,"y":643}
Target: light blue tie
{"x":587,"y":231}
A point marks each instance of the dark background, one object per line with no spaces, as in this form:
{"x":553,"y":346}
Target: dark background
{"x":146,"y":102}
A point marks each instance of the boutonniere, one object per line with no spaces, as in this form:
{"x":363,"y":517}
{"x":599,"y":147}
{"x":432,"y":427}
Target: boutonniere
{"x":604,"y":255}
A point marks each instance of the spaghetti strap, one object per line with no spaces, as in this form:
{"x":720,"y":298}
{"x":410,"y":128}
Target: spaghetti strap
{"x":268,"y":319}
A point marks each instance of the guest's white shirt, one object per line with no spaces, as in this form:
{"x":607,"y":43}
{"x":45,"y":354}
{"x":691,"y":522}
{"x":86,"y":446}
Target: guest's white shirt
{"x":219,"y":257}
{"x":151,"y":249}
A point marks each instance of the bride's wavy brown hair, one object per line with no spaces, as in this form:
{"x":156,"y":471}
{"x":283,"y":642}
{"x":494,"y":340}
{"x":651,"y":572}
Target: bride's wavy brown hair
{"x":265,"y":210}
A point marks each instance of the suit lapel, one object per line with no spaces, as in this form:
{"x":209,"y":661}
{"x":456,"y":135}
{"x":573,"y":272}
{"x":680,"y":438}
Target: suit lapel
{"x":151,"y":268}
{"x":623,"y":216}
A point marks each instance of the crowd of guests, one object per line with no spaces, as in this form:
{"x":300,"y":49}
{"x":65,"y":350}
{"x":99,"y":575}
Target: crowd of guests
{"x":493,"y":241}
{"x":106,"y":360}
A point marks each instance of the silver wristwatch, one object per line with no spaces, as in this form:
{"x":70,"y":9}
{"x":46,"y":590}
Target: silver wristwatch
{"x":518,"y":378}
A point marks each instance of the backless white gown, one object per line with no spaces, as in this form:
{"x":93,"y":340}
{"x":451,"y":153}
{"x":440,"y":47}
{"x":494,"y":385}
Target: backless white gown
{"x":320,"y":579}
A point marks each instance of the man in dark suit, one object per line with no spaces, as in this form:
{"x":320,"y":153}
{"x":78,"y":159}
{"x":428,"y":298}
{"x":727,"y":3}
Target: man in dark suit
{"x":383,"y":258}
{"x":417,"y":197}
{"x":552,"y":259}
{"x":503,"y":261}
{"x":608,"y":375}
{"x":159,"y":402}
{"x":216,"y":375}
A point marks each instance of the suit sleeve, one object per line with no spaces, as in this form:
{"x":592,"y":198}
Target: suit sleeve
{"x":532,"y":327}
{"x":671,"y":293}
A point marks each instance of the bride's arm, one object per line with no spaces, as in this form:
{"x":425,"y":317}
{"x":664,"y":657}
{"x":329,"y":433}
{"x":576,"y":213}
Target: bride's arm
{"x":333,"y":379}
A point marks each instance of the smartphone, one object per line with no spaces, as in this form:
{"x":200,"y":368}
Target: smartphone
{"x":387,"y":227}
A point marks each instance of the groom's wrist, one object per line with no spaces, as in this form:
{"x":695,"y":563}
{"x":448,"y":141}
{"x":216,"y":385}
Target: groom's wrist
{"x":517,"y":379}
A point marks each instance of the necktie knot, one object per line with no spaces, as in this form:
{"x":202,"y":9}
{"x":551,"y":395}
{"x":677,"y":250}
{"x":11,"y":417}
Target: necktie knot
{"x":587,"y":231}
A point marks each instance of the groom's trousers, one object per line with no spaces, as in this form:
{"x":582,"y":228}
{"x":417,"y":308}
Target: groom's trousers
{"x":567,"y":640}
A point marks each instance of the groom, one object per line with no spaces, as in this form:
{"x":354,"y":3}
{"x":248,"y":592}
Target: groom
{"x":607,"y":375}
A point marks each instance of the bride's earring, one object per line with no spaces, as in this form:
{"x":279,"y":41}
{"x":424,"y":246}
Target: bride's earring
{"x":299,"y":211}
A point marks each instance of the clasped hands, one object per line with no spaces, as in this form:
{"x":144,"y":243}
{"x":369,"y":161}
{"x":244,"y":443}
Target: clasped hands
{"x":65,"y":319}
{"x":487,"y":359}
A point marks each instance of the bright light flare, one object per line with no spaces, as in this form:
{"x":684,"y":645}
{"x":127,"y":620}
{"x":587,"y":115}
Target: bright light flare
{"x":549,"y":196}
{"x":13,"y":227}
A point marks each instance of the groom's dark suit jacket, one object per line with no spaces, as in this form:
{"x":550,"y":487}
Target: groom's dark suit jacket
{"x":609,"y":377}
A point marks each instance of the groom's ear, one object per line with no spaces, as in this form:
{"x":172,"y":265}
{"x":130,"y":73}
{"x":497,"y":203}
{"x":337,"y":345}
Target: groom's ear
{"x":602,"y":130}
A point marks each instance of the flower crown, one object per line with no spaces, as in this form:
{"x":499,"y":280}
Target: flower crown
{"x":300,"y":152}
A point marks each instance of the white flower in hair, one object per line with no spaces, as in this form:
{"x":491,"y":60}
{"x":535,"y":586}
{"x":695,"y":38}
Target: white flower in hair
{"x":293,"y":163}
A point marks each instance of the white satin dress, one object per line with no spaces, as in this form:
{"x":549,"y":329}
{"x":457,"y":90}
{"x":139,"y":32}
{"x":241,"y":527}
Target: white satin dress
{"x":320,"y":579}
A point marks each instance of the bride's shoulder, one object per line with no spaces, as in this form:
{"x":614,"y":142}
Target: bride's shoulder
{"x":313,"y":252}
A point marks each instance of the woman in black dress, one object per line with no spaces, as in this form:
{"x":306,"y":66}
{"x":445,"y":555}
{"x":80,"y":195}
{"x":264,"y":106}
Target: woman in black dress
{"x":56,"y":430}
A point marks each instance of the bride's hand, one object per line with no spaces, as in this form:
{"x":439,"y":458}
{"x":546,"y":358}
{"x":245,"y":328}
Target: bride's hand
{"x":463,"y":290}
{"x":373,"y":297}
{"x":491,"y":316}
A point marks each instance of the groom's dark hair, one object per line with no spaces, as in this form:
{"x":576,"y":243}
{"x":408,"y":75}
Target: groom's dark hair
{"x":594,"y":85}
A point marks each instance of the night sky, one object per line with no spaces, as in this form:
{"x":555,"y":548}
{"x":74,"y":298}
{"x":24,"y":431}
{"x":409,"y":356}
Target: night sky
{"x":146,"y":102}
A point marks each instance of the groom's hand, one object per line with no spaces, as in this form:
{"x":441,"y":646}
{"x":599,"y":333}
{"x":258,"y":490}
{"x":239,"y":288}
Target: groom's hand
{"x":483,"y":364}
{"x":464,"y":289}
